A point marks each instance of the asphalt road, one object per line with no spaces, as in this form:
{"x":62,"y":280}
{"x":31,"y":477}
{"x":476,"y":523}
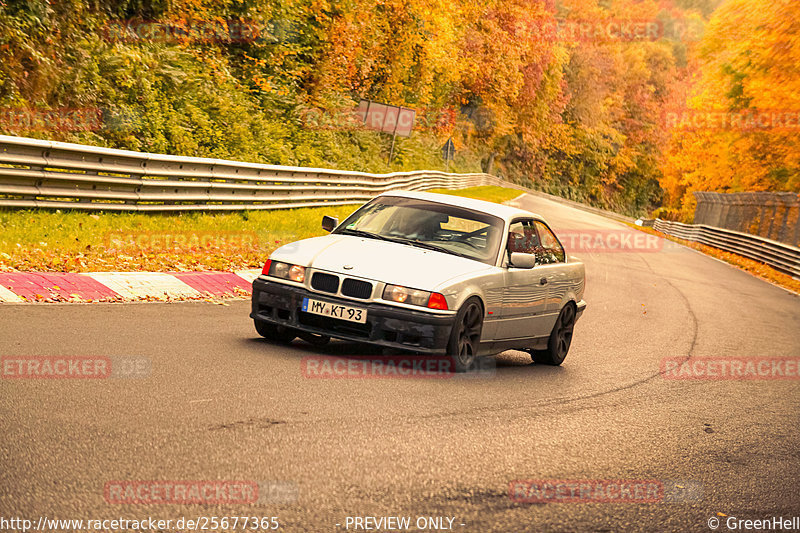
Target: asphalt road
{"x":219,"y":403}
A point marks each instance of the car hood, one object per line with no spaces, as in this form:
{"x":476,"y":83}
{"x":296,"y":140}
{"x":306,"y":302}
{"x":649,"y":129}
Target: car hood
{"x":390,"y":262}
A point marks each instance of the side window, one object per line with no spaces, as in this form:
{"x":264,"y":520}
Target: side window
{"x":550,"y":250}
{"x":522,"y":237}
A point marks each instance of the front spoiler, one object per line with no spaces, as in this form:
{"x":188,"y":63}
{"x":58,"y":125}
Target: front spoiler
{"x":386,"y":326}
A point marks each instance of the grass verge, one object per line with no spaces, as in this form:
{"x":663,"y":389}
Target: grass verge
{"x":75,"y":241}
{"x":489,"y":193}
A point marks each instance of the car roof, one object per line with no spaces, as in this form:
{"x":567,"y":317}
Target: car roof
{"x":503,"y":211}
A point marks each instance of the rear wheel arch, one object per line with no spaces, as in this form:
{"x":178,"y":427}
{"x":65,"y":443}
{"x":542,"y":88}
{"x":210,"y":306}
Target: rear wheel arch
{"x":569,"y":298}
{"x":560,"y":339}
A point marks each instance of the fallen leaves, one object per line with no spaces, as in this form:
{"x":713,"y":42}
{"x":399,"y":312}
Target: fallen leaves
{"x":100,"y":259}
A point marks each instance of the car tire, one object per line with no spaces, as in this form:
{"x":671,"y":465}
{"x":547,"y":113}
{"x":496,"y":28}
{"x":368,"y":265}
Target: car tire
{"x":275,"y":332}
{"x":560,"y":339}
{"x":466,"y":335}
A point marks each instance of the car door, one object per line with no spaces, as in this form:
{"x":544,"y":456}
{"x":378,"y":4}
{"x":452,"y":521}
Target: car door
{"x":550,"y":259}
{"x":525,"y":289}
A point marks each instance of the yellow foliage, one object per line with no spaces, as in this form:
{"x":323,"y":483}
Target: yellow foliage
{"x":748,"y":66}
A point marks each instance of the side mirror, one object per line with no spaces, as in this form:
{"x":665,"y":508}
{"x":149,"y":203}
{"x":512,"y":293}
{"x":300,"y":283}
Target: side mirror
{"x":522,"y":260}
{"x":328,"y":223}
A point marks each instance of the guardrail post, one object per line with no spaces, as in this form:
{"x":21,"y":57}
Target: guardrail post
{"x":796,"y":209}
{"x":750,"y":212}
{"x":759,"y":221}
{"x":715,"y":215}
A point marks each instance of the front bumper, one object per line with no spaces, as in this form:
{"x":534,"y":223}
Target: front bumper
{"x":386,"y":326}
{"x":581,"y":308}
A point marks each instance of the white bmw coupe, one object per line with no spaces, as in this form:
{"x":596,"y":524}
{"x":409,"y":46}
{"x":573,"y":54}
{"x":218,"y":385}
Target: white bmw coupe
{"x":427,"y":273}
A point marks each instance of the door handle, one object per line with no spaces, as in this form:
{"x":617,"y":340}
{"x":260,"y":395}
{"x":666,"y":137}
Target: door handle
{"x":543,"y":281}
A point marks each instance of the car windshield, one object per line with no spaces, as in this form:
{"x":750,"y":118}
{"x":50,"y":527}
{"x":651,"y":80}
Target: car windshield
{"x":441,"y":227}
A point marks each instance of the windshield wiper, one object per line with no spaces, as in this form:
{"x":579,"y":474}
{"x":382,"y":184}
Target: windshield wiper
{"x":400,"y":240}
{"x":429,"y":246}
{"x":361,"y":233}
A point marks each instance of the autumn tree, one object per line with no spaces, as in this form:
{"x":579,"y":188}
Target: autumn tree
{"x":739,"y":131}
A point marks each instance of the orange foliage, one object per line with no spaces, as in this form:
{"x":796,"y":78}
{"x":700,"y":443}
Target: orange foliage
{"x":740,"y":129}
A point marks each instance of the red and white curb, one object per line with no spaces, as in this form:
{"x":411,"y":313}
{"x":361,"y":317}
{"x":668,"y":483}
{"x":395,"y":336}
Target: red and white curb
{"x":21,"y":287}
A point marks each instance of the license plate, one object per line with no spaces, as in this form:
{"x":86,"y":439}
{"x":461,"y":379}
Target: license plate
{"x":342,"y":312}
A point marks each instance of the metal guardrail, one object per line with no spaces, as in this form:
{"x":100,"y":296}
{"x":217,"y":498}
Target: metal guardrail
{"x":778,"y":255}
{"x":772,"y":215}
{"x":36,"y":173}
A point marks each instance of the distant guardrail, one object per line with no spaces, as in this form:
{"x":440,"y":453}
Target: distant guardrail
{"x":783,"y":257}
{"x":772,"y":215}
{"x":37,"y":173}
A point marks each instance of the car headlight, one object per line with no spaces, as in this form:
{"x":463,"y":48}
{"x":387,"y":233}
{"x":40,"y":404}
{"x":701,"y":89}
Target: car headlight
{"x":404,"y":295}
{"x":286,"y":271}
